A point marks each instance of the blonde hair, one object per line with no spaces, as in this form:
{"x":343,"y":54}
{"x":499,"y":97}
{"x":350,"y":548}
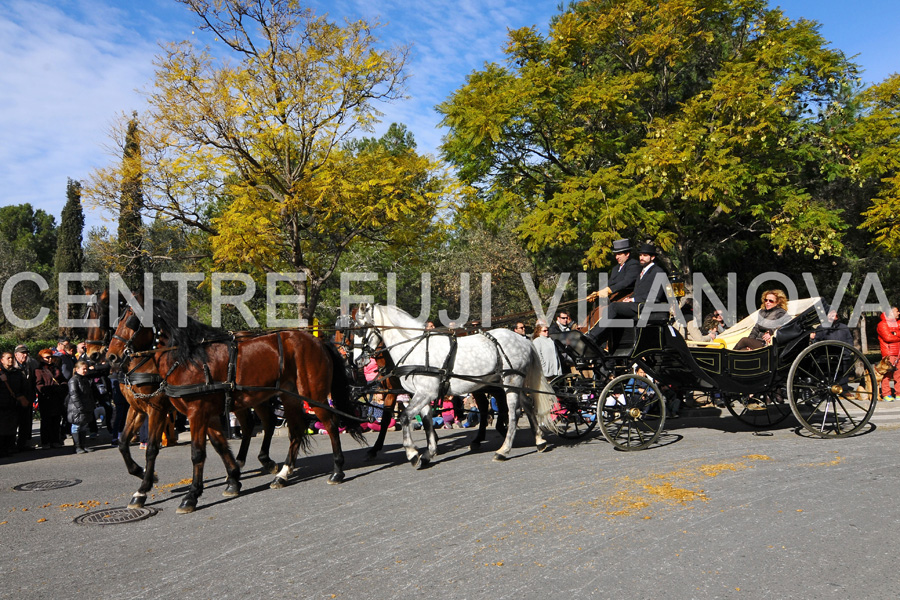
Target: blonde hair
{"x":780,"y":299}
{"x":539,"y":326}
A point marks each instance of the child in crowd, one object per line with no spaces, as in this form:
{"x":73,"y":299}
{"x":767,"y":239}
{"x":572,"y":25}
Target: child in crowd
{"x":80,"y":405}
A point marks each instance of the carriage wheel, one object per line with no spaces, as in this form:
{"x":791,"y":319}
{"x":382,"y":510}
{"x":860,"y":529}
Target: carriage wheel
{"x":831,"y":387}
{"x":575,"y":410}
{"x":766,"y":409}
{"x":632,"y":412}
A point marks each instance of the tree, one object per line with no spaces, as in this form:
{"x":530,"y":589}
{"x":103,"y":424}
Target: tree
{"x":260,"y":135}
{"x":698,"y":124}
{"x":877,"y":134}
{"x":130,"y":224}
{"x":69,"y":254}
{"x":29,"y":231}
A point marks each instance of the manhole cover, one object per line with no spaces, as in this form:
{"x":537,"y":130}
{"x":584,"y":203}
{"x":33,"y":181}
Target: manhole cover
{"x":114,"y":516}
{"x":47,"y":484}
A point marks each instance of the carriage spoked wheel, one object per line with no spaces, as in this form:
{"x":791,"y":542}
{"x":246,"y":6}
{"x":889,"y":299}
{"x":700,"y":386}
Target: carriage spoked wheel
{"x":766,"y":409}
{"x":575,"y":409}
{"x":831,"y":388}
{"x":631,"y":411}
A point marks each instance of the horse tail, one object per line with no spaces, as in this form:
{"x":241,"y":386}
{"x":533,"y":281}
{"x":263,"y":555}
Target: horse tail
{"x":541,"y":393}
{"x":340,"y":393}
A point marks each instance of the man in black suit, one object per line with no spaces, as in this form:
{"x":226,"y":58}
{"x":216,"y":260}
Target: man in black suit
{"x":562,"y":323}
{"x":623,"y":276}
{"x":633,"y":308}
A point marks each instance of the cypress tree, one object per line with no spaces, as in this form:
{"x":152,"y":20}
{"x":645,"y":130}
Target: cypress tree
{"x":130,"y":224}
{"x":69,"y":255}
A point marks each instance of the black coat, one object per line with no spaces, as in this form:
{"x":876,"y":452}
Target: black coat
{"x":623,"y":277}
{"x":644,"y":286}
{"x":12,"y":385}
{"x":834,"y":331}
{"x":80,"y":403}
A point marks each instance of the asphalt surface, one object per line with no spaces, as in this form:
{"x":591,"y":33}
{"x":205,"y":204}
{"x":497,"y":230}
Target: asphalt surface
{"x":712,"y":511}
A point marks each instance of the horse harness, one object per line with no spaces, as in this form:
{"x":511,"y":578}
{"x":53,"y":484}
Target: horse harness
{"x":209,"y":386}
{"x":445,"y":371}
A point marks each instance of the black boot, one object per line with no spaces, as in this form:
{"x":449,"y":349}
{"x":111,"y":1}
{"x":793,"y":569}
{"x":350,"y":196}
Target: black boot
{"x":76,"y":441}
{"x":78,"y":438}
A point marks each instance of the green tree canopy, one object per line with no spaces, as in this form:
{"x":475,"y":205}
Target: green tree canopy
{"x":31,"y":231}
{"x":693,"y":123}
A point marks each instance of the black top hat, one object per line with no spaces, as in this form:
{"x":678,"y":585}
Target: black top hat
{"x":647,"y":249}
{"x":621,"y":246}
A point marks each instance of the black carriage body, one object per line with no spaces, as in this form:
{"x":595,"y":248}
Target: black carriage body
{"x":829,"y":386}
{"x":660,"y":350}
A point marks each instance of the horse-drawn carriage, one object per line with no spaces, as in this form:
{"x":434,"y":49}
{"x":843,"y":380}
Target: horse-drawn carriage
{"x":829,"y":386}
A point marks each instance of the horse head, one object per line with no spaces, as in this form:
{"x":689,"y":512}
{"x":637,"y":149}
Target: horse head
{"x":98,"y":337}
{"x":131,"y":335}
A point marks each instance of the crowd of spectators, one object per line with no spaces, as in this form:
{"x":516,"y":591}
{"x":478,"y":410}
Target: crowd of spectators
{"x":65,"y":390}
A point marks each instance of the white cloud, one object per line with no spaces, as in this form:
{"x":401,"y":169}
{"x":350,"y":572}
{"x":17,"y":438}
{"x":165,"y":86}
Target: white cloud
{"x":70,"y":69}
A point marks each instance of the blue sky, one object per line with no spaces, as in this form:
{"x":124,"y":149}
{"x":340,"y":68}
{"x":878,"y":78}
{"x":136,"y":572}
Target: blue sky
{"x":69,"y":67}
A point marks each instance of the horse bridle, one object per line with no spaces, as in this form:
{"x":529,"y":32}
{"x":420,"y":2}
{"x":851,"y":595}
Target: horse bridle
{"x":134,"y":324}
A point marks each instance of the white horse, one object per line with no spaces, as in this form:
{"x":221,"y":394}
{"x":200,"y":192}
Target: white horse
{"x":431,"y":363}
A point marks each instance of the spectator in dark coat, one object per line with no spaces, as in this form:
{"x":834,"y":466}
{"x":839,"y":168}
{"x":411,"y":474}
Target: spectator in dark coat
{"x":51,"y":392}
{"x":12,"y":396}
{"x":66,"y":362}
{"x":80,"y":405}
{"x":26,"y":365}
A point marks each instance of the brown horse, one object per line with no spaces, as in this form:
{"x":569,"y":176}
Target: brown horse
{"x":141,"y":388}
{"x":203,"y":368}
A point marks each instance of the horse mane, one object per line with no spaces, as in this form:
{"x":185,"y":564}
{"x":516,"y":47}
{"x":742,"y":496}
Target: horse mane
{"x":191,"y":342}
{"x":397,"y":317}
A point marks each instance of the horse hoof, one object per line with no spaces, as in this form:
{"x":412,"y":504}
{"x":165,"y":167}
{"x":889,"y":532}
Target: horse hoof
{"x":240,"y":463}
{"x":232,"y":490}
{"x":414,"y":461}
{"x":279,"y":483}
{"x":335,"y":478}
{"x":270,"y":467}
{"x":542,"y":447}
{"x":137,"y":501}
{"x":186,"y":507}
{"x":500,"y":457}
{"x":474,"y":446}
{"x":371,"y":455}
{"x":423,"y":462}
{"x":155,"y":477}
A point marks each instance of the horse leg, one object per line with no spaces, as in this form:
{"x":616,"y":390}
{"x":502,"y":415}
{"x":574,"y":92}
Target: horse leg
{"x":539,"y":441}
{"x":132,"y":425}
{"x":156,"y":424}
{"x":386,"y":414}
{"x":430,"y":437}
{"x":481,"y":400}
{"x":415,"y":406}
{"x":198,"y":457}
{"x":295,"y":417}
{"x":245,"y":421}
{"x":232,"y":468}
{"x":331,"y":426}
{"x":512,"y":401}
{"x":502,"y":416}
{"x":267,"y":417}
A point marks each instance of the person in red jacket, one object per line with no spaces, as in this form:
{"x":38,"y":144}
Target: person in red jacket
{"x":889,"y":339}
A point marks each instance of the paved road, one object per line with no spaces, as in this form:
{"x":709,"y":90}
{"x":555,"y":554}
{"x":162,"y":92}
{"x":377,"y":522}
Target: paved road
{"x":713,"y":512}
